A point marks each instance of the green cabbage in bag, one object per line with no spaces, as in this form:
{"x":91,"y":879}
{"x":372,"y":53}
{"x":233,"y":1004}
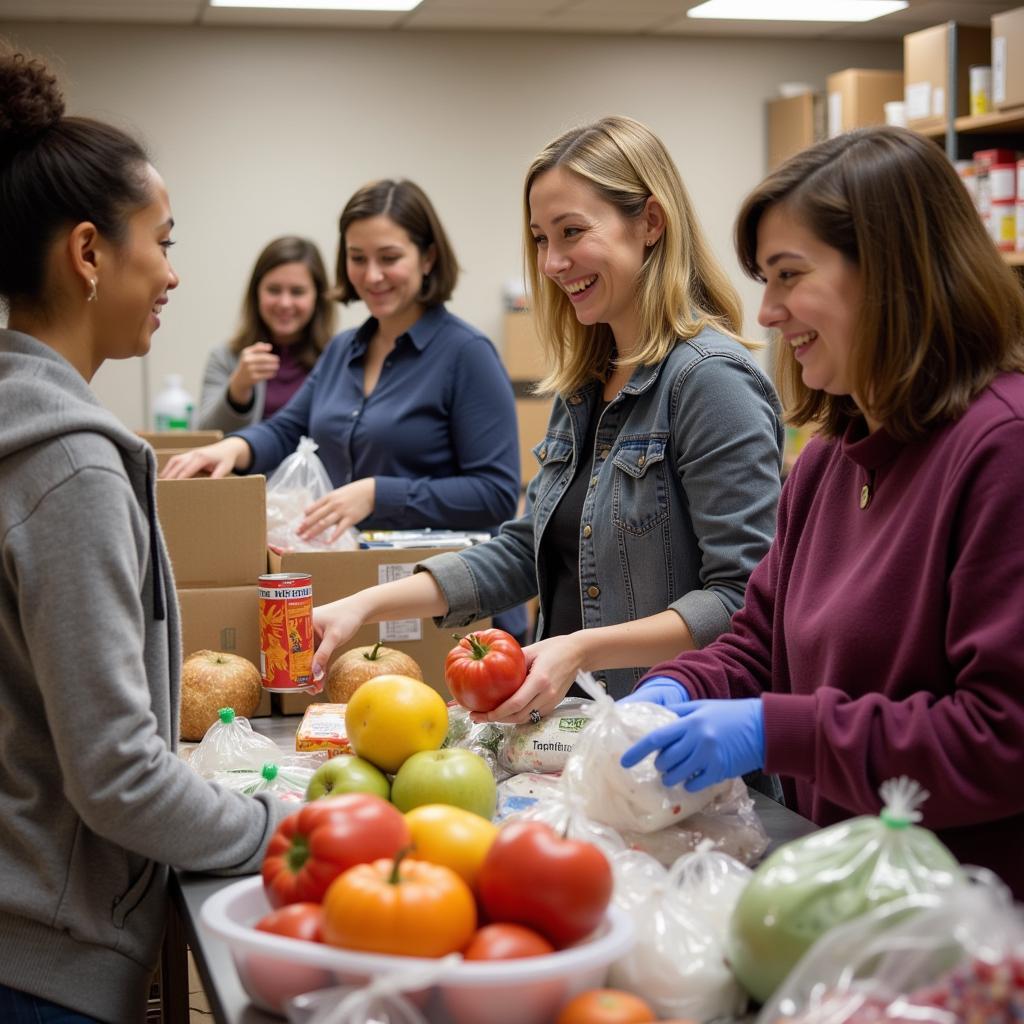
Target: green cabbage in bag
{"x":812,"y":884}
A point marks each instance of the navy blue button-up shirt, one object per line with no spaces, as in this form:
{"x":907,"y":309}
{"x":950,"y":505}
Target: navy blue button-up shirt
{"x":438,"y":433}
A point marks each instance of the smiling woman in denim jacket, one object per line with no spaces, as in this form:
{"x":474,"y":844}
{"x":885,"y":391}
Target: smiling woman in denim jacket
{"x":659,"y":473}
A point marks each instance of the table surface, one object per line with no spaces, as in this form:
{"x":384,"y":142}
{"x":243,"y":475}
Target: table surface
{"x":227,"y":998}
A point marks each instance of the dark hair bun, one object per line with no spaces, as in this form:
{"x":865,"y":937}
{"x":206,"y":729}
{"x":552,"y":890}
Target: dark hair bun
{"x":31,"y":102}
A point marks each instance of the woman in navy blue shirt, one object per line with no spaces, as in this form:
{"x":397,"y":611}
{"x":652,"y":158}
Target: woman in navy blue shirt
{"x":412,"y":411}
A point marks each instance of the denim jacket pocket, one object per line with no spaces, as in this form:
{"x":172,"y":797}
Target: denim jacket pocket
{"x":640,"y":485}
{"x":554,"y":451}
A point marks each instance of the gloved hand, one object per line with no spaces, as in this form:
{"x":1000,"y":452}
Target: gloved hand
{"x":711,"y":741}
{"x":663,"y":690}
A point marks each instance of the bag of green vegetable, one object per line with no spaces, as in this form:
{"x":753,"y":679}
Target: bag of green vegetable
{"x":812,"y":884}
{"x":953,"y":955}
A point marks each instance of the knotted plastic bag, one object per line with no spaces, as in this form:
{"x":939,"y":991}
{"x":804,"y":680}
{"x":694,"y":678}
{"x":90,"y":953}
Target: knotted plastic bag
{"x":299,"y":481}
{"x":482,"y":738}
{"x":681,"y":917}
{"x":381,"y":1001}
{"x":627,"y":799}
{"x":938,"y":958}
{"x":811,"y":885}
{"x":231,"y":745}
{"x":286,"y":782}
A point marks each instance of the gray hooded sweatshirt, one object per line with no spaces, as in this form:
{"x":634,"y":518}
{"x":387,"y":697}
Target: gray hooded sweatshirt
{"x":94,"y":801}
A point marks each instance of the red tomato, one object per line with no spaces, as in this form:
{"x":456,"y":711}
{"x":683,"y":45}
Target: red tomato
{"x":485,"y":669}
{"x":606,"y":1006}
{"x":532,"y":876}
{"x":295,"y":921}
{"x":316,"y":844}
{"x":506,"y":942}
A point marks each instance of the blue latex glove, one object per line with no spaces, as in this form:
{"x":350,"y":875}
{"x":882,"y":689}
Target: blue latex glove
{"x":663,"y":690}
{"x":711,"y":741}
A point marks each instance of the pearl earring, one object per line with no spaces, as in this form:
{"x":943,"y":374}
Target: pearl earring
{"x":92,"y":291}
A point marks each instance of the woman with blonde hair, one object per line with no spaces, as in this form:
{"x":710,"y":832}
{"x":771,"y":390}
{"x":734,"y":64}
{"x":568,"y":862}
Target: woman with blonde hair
{"x":659,"y":470}
{"x":882,"y":635}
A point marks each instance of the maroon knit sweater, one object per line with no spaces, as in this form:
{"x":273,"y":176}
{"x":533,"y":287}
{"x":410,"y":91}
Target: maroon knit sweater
{"x":889,"y":640}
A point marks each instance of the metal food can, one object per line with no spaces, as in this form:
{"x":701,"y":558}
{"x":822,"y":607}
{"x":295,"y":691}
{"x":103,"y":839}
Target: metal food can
{"x":286,"y":631}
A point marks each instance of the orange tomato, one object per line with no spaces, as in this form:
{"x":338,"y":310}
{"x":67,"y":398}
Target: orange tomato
{"x":606,"y":1006}
{"x":450,"y":836}
{"x":402,"y":907}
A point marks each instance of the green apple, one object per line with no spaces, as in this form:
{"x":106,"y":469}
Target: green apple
{"x":347,"y":773}
{"x":451,"y":776}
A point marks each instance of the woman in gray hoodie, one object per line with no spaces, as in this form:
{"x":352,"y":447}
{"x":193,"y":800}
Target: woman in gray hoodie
{"x":94,"y":802}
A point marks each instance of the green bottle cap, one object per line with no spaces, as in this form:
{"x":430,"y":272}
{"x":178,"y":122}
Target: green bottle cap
{"x":226,"y":715}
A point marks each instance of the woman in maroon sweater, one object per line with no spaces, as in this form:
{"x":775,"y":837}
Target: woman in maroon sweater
{"x":883,"y":634}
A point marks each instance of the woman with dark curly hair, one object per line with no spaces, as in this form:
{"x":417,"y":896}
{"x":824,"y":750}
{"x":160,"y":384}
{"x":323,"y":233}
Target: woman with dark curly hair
{"x":94,"y":801}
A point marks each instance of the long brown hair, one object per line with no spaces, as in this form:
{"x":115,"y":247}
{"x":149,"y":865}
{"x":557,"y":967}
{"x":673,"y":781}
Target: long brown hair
{"x":681,"y":288}
{"x":316,"y":333}
{"x":407,"y":205}
{"x":942,"y":313}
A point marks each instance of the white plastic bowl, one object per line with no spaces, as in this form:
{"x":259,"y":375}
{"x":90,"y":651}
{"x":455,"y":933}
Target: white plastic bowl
{"x":273,"y":968}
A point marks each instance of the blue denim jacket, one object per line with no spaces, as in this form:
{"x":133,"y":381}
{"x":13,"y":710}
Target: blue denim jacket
{"x":680,"y":508}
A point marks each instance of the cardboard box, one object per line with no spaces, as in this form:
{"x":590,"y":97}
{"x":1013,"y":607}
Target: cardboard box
{"x":340,"y":573}
{"x":216,"y":530}
{"x":794,"y":123}
{"x":1008,"y":58}
{"x":521,"y":350}
{"x":857,"y":97}
{"x":180,"y":439}
{"x":926,"y":79}
{"x":532,"y":416}
{"x":222,"y":619}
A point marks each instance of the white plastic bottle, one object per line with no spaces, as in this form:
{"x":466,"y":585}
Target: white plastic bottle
{"x":173,"y":407}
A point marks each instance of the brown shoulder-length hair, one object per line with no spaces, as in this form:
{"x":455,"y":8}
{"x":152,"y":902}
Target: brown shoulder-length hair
{"x":316,"y":334}
{"x":407,"y":205}
{"x":681,"y":288}
{"x":941,"y":315}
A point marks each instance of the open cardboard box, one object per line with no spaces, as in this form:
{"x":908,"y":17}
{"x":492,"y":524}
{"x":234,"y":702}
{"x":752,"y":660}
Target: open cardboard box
{"x":340,"y":573}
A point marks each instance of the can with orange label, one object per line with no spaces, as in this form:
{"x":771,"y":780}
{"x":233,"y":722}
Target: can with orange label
{"x":286,"y":631}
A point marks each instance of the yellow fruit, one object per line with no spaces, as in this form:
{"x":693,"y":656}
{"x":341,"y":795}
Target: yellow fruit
{"x":390,"y":718}
{"x":448,"y":835}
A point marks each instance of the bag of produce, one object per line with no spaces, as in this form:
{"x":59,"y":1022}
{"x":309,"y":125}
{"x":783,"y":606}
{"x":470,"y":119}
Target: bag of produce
{"x":286,"y":782}
{"x":299,"y":481}
{"x":380,"y":1002}
{"x":941,"y":957}
{"x":811,"y":885}
{"x":483,"y":738}
{"x":681,"y":919}
{"x":628,"y":799}
{"x":231,"y":744}
{"x":730,"y":822}
{"x":544,"y":746}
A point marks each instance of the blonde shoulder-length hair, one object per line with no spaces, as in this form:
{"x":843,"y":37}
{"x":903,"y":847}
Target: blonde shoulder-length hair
{"x":681,"y":288}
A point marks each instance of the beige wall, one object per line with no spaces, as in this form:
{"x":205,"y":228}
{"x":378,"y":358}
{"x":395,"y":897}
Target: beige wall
{"x":261,"y":132}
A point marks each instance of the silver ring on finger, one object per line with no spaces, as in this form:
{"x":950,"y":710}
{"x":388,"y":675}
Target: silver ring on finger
{"x":534,"y":716}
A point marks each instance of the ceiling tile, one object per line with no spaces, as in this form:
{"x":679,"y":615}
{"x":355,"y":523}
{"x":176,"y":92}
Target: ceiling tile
{"x":256,"y":16}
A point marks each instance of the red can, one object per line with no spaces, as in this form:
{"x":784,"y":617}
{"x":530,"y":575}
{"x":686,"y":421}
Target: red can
{"x":286,"y":631}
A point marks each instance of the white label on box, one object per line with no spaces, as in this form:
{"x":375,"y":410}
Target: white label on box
{"x":835,"y":114}
{"x":998,"y":69}
{"x":939,"y":102}
{"x":398,"y":629}
{"x":918,"y":98}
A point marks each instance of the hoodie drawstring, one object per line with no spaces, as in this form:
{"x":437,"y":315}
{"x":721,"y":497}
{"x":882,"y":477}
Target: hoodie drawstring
{"x":159,"y":608}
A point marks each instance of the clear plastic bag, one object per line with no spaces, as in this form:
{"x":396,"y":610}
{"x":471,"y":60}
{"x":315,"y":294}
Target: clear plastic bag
{"x":545,"y":746}
{"x":286,"y":782}
{"x":936,"y":958}
{"x":681,"y":917}
{"x":730,"y":822}
{"x":299,"y":481}
{"x":380,"y":1002}
{"x":627,"y":799}
{"x":811,"y":885}
{"x":230,"y":745}
{"x":483,"y":738}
